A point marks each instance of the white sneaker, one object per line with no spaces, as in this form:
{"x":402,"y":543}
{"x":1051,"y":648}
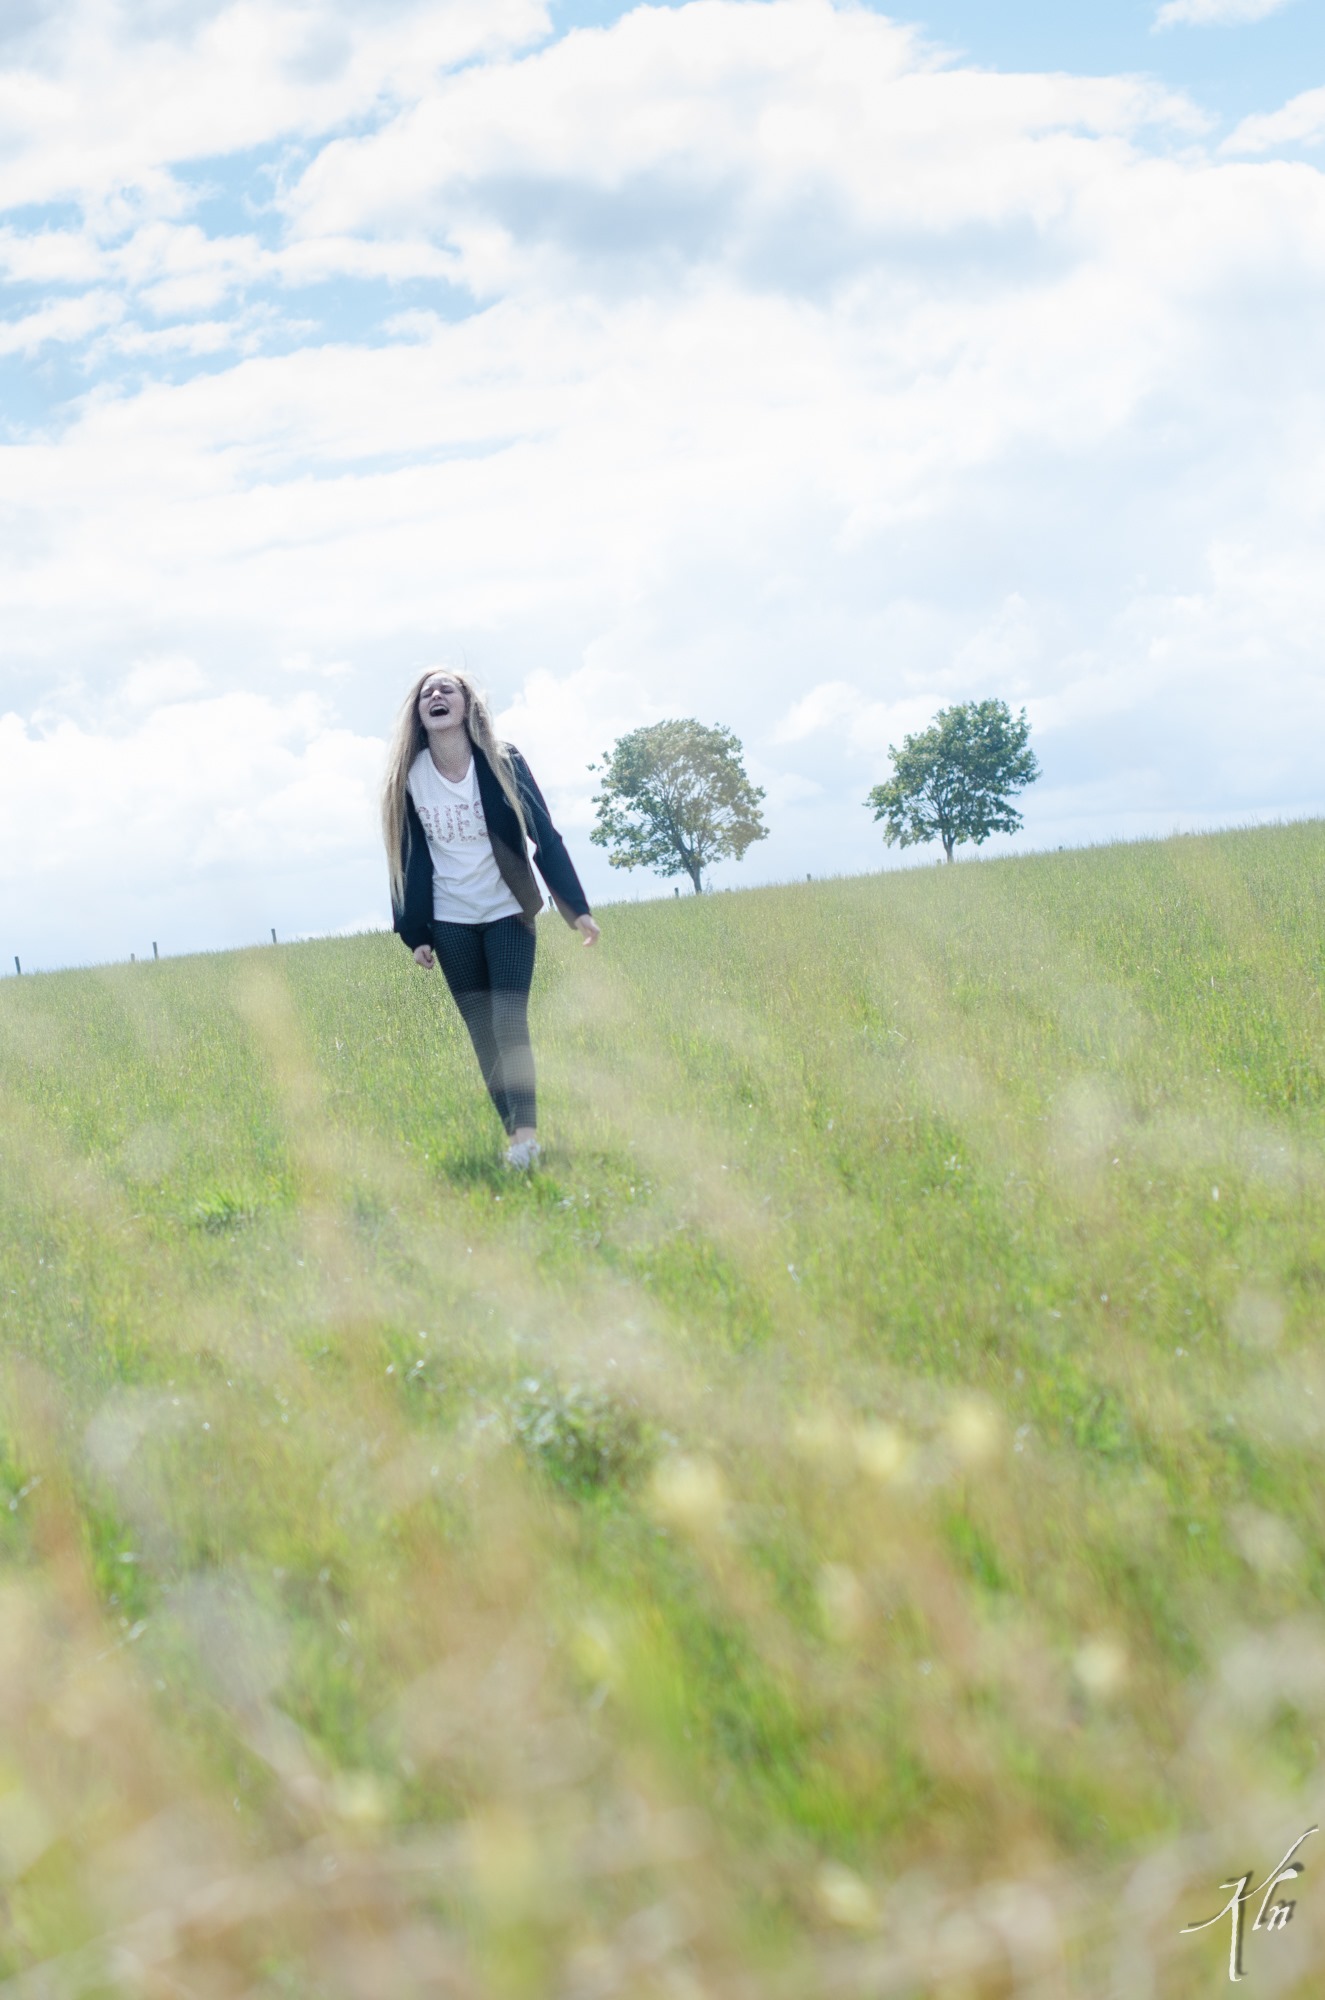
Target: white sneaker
{"x":522,"y":1154}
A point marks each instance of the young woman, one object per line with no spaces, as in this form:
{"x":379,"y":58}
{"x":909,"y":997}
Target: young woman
{"x":457,"y":810}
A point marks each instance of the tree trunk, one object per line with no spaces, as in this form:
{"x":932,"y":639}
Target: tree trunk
{"x":947,"y":840}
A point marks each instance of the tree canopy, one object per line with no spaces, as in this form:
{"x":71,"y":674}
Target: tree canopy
{"x":675,"y":797}
{"x":955,"y":780}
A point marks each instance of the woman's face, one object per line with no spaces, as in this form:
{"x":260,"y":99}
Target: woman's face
{"x":441,"y":705}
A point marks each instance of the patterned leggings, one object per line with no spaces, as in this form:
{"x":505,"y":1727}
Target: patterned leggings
{"x":489,"y":969}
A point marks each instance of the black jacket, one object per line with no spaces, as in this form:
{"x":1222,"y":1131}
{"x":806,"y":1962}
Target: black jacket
{"x":413,"y":921}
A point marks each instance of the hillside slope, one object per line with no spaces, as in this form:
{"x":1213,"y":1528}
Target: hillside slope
{"x":878,"y":1458}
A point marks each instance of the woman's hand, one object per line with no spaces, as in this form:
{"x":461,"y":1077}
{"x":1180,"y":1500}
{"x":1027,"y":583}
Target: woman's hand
{"x":423,"y":956}
{"x":588,"y":929}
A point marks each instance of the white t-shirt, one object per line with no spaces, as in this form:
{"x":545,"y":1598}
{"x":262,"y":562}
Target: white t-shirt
{"x":467,"y":885}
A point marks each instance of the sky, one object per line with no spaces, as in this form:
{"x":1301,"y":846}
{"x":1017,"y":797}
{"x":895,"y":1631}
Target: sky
{"x":802,"y":367}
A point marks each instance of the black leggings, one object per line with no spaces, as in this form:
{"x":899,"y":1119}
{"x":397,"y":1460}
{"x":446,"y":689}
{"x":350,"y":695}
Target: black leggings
{"x":489,"y":969}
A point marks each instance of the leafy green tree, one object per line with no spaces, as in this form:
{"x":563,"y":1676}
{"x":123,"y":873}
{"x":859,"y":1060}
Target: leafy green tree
{"x":955,"y":780}
{"x":675,"y":797}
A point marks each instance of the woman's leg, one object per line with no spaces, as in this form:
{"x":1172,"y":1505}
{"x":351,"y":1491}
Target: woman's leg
{"x":464,"y":963}
{"x":509,"y":946}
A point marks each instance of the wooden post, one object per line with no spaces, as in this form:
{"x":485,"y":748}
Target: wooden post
{"x":155,"y":952}
{"x":273,"y":933}
{"x":17,"y":967}
{"x":133,"y":958}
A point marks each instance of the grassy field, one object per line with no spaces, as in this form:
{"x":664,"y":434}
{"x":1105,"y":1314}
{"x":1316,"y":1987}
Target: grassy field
{"x":852,"y":1524}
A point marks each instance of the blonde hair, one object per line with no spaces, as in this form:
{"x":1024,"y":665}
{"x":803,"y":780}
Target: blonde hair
{"x":409,"y":738}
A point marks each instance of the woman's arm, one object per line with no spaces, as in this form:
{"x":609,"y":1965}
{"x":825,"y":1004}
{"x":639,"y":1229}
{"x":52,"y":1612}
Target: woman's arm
{"x":412,"y":919}
{"x":554,"y":863}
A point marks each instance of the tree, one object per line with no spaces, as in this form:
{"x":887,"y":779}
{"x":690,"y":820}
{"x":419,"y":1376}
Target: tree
{"x":955,"y":780}
{"x":675,"y":797}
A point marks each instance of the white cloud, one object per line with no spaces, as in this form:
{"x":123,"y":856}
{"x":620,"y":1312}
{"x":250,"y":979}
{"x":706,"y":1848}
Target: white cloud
{"x":809,"y":386}
{"x":166,"y":679}
{"x":784,"y":788}
{"x":193,"y":789}
{"x":1300,"y":122}
{"x":65,"y":321}
{"x":309,"y":667}
{"x":846,"y":716}
{"x":1215,"y":13}
{"x":754,"y":130}
{"x":832,"y":705}
{"x":107,"y":98}
{"x":565,"y":724}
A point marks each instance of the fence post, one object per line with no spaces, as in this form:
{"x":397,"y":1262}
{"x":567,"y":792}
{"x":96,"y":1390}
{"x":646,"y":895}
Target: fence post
{"x":155,"y":952}
{"x":273,"y":933}
{"x":17,"y":967}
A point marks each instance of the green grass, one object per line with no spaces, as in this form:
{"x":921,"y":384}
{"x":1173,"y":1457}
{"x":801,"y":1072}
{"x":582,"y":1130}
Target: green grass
{"x":852,"y":1523}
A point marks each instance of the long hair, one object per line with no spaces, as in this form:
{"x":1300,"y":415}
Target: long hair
{"x":409,"y":738}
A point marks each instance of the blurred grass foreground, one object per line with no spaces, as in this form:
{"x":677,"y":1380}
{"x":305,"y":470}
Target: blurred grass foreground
{"x":851,"y":1525}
